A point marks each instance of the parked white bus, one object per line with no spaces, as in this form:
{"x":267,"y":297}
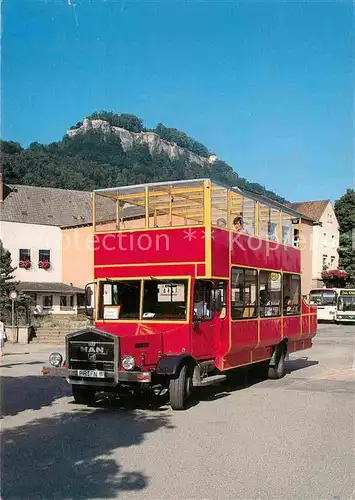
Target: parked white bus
{"x":345,"y":305}
{"x":325,"y":299}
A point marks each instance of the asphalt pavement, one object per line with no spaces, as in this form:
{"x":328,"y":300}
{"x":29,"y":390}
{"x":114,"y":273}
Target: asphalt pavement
{"x":244,"y":439}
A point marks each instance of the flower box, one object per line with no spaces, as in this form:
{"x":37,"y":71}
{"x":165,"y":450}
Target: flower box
{"x":44,"y":264}
{"x":335,"y":278}
{"x":334,"y":274}
{"x":24,"y":264}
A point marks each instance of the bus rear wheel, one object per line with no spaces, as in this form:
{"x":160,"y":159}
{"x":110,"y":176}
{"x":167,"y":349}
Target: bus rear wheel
{"x":83,"y":395}
{"x":278,"y":370}
{"x":180,"y":389}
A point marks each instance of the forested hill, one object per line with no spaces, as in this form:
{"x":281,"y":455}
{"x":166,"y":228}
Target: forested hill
{"x":108,"y":150}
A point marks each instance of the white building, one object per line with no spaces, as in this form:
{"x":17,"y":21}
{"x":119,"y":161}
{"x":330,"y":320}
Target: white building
{"x":30,"y":228}
{"x":325,"y":236}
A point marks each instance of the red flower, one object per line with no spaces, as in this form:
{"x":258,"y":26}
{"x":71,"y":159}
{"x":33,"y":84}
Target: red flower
{"x":44,"y":264}
{"x":25,"y":264}
{"x":334,"y":274}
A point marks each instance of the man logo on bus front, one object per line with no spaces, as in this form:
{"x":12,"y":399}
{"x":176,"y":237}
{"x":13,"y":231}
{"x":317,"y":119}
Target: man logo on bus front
{"x":94,"y":350}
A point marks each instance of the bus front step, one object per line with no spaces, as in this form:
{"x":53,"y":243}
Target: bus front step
{"x":214,"y":379}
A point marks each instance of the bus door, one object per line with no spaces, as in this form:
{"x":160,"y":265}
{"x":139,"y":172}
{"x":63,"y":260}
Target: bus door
{"x":208,"y":298}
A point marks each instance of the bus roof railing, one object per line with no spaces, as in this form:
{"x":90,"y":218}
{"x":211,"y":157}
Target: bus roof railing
{"x":136,"y":188}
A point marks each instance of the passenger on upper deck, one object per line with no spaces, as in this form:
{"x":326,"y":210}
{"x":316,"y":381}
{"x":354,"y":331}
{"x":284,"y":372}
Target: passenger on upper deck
{"x":238,"y":224}
{"x":221,"y":222}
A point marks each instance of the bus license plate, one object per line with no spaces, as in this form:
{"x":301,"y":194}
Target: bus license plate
{"x":91,"y":373}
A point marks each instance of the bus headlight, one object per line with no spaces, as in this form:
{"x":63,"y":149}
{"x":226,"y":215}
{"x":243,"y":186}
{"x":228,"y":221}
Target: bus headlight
{"x":55,"y":359}
{"x":128,"y":362}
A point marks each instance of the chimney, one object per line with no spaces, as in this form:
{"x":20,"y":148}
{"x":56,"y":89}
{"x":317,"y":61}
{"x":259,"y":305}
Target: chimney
{"x":2,"y":196}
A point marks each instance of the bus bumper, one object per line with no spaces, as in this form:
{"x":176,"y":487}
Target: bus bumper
{"x":122,"y":376}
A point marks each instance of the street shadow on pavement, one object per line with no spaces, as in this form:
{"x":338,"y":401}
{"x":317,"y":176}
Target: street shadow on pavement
{"x":293,"y":365}
{"x":30,"y":392}
{"x":244,"y":377}
{"x":70,"y":456}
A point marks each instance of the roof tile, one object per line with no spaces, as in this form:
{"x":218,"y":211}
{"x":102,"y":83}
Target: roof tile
{"x":312,"y":209}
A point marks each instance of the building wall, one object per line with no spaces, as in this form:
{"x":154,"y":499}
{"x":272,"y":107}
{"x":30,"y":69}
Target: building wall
{"x":56,"y":307}
{"x":35,"y":237}
{"x":325,"y":243}
{"x":306,"y":245}
{"x":78,"y":255}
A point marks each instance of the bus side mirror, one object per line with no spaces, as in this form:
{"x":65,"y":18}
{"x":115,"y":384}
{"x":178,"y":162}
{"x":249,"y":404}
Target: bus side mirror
{"x":89,"y":300}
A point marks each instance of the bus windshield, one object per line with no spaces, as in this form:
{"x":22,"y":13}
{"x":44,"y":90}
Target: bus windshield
{"x":148,"y":299}
{"x":322,"y":297}
{"x":346,"y":303}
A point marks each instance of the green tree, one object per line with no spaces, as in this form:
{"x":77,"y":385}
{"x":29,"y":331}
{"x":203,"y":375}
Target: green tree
{"x":345,"y":212}
{"x":123,"y":120}
{"x":7,"y":282}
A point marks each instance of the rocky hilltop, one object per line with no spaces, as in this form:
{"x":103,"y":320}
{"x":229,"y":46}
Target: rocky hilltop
{"x":108,"y":149}
{"x":130,"y":140}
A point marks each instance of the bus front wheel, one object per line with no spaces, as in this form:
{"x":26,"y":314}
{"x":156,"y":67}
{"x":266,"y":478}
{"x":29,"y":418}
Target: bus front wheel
{"x":180,"y":389}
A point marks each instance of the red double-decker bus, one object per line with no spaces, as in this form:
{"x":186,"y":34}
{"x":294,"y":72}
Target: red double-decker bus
{"x":192,"y":279}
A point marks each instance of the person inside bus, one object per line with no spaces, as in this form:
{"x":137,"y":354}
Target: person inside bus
{"x":221,"y":222}
{"x":287,"y":304}
{"x":201,"y":305}
{"x":265,"y":303}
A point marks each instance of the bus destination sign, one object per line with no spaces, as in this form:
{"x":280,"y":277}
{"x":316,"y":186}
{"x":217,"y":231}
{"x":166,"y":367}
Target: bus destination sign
{"x":347,"y":292}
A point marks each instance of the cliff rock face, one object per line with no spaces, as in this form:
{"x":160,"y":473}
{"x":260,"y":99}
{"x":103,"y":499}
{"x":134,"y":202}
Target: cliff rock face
{"x":129,"y":140}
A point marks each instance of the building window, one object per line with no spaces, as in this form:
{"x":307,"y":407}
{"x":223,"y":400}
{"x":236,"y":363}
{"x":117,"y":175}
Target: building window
{"x":44,"y":255}
{"x":44,"y":259}
{"x":244,"y":286}
{"x":296,"y":238}
{"x":264,"y":221}
{"x":286,"y":229}
{"x":324,"y":262}
{"x":332,"y":260}
{"x":63,"y":301}
{"x":333,"y":241}
{"x":24,"y":258}
{"x":71,"y":299}
{"x":270,"y":293}
{"x":25,"y":254}
{"x":48,"y":301}
{"x":291,"y":294}
{"x":324,"y":239}
{"x":329,"y":218}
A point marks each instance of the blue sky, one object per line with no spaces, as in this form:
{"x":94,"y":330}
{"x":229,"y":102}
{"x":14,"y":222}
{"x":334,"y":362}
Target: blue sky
{"x":266,"y":85}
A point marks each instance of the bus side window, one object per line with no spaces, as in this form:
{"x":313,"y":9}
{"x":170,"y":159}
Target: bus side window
{"x":244,"y":284}
{"x":291,"y":293}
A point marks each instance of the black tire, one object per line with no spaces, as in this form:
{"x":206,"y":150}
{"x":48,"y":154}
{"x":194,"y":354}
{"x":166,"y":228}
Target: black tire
{"x":180,"y":389}
{"x":83,"y":395}
{"x":278,"y":371}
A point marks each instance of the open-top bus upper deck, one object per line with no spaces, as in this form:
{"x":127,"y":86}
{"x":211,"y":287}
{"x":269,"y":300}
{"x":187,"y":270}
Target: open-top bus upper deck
{"x":187,"y":228}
